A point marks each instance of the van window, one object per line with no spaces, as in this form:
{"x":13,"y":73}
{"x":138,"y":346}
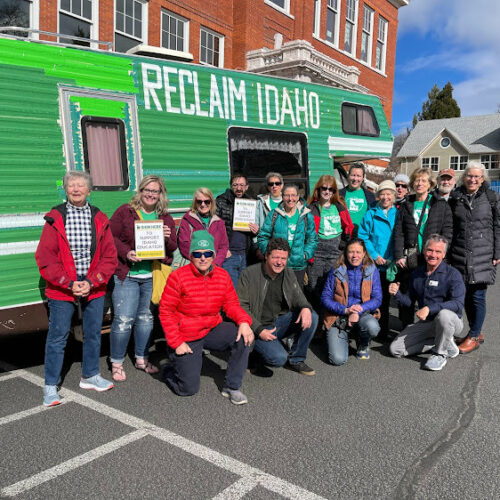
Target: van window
{"x":105,"y":153}
{"x":255,"y":152}
{"x":359,"y":120}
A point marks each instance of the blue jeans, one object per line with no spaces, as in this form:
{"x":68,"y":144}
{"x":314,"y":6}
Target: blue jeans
{"x":338,"y":340}
{"x":475,"y":307}
{"x":183,"y":376}
{"x":61,"y":312}
{"x":132,"y":307}
{"x":234,"y":265}
{"x":273,"y":352}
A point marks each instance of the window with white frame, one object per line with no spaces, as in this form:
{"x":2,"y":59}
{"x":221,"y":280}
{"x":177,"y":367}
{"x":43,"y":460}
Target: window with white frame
{"x":283,"y":5}
{"x":490,"y":161}
{"x":332,"y":19}
{"x":130,"y":18}
{"x":431,"y":162}
{"x":350,"y":27}
{"x":380,"y":51}
{"x":367,"y":35}
{"x":22,"y":13}
{"x":317,"y":18}
{"x":458,"y":162}
{"x":211,"y":48}
{"x":76,"y":19}
{"x":174,"y":32}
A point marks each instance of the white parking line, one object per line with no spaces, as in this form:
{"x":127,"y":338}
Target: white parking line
{"x":22,"y":414}
{"x":72,"y":464}
{"x":250,"y":476}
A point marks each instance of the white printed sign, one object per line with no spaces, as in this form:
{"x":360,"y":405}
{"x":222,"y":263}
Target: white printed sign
{"x":149,"y":239}
{"x":245,"y":212}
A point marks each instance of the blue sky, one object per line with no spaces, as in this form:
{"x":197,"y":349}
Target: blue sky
{"x":447,"y":40}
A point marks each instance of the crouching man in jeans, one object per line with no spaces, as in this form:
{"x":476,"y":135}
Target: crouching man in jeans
{"x":270,"y":293}
{"x":439,"y":290}
{"x":190,"y":316}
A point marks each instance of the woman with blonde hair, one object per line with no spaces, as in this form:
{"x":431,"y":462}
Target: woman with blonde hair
{"x":133,"y":278}
{"x":202,"y":217}
{"x":332,"y":222}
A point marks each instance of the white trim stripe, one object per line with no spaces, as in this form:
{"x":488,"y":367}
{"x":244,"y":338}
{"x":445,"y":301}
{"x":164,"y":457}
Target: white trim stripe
{"x":22,"y":414}
{"x":26,"y":304}
{"x":18,"y":247}
{"x":21,"y":220}
{"x":359,"y":145}
{"x":250,"y":477}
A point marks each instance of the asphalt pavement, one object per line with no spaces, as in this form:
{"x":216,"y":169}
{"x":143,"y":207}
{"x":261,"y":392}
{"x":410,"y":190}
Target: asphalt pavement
{"x":382,"y":428}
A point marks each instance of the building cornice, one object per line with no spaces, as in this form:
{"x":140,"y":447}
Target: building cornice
{"x":399,"y":3}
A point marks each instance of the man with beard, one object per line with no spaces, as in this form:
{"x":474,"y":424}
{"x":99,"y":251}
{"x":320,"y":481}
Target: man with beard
{"x":445,"y":184}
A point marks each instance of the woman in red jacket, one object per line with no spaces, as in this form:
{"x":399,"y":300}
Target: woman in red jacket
{"x":76,"y":257}
{"x":133,"y":278}
{"x":190,"y":316}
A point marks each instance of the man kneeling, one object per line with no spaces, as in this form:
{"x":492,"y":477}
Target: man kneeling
{"x":270,"y":293}
{"x":190,"y":316}
{"x":439,"y":291}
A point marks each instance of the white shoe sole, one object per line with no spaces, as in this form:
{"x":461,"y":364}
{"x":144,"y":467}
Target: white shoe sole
{"x":227,"y":395}
{"x":85,"y":385}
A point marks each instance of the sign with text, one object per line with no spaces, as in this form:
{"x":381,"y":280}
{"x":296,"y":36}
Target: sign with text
{"x":245,"y":212}
{"x":149,"y":239}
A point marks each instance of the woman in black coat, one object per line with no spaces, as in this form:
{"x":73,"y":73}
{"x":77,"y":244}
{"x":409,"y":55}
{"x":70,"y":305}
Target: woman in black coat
{"x":475,"y":250}
{"x":436,"y":219}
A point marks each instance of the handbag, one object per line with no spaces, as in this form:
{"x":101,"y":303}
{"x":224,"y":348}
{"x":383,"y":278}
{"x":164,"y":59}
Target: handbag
{"x":160,"y":273}
{"x":412,"y":253}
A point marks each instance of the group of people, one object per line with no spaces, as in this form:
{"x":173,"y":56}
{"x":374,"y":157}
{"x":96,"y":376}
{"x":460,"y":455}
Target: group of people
{"x":330,"y":264}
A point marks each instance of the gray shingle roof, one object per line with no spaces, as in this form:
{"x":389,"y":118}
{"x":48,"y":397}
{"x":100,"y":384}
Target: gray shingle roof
{"x":479,"y":134}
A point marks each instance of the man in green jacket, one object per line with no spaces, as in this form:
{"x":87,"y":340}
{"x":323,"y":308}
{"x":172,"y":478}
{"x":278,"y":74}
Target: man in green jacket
{"x":270,"y":294}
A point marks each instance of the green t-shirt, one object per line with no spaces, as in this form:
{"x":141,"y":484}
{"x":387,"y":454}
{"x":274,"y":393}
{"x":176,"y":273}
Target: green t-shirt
{"x":356,"y":204}
{"x":417,"y":211}
{"x":329,"y":225}
{"x":292,"y":226}
{"x":205,"y":220}
{"x":273,"y":203}
{"x":143,"y":267}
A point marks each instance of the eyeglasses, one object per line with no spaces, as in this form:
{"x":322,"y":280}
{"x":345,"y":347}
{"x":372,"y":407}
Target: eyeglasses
{"x":203,"y":202}
{"x":331,"y":189}
{"x":151,"y":191}
{"x":402,"y":186}
{"x":475,"y":177}
{"x":199,"y":255}
{"x":270,"y":184}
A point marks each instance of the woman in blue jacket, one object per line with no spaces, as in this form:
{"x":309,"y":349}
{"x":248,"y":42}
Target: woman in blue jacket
{"x":351,"y":297}
{"x":294,"y":222}
{"x":376,"y":230}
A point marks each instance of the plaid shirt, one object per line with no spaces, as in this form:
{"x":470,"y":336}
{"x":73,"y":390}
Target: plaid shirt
{"x":79,"y":233}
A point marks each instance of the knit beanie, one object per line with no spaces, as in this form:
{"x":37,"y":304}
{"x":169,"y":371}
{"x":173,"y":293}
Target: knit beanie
{"x":402,"y":178}
{"x":202,"y":240}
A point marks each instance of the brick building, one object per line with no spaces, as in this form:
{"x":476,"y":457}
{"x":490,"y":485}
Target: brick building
{"x":345,"y":43}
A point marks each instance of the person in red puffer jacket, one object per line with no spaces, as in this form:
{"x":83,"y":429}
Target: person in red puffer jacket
{"x":190,"y":316}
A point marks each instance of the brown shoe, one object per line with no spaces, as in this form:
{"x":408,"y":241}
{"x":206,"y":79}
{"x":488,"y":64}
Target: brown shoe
{"x":481,"y":338}
{"x":458,"y":341}
{"x":469,"y":344}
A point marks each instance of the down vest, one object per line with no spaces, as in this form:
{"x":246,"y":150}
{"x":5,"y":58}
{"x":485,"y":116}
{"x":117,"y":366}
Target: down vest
{"x":476,"y":234}
{"x":439,"y":221}
{"x":191,"y":303}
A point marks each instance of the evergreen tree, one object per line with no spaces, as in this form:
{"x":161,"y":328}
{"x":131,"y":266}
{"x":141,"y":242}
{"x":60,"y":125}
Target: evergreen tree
{"x":440,"y":104}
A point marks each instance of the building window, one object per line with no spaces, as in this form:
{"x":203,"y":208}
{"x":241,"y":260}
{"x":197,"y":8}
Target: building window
{"x":130,"y":16}
{"x":445,"y":142}
{"x":490,"y":161}
{"x":367,"y":35}
{"x":105,"y":153}
{"x":75,"y":19}
{"x":359,"y":120}
{"x":380,"y":51}
{"x":431,"y":162}
{"x":211,"y":48}
{"x":458,"y":162}
{"x":283,"y":5}
{"x":174,"y":32}
{"x":22,"y":13}
{"x":332,"y":18}
{"x":350,"y":26}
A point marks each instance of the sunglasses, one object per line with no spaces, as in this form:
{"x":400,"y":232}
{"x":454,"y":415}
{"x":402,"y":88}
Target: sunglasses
{"x":331,"y":189}
{"x":402,"y":186}
{"x":203,"y":202}
{"x":270,"y":184}
{"x":207,"y":254}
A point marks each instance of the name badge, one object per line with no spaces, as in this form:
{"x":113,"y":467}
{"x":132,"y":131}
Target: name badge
{"x":433,"y":283}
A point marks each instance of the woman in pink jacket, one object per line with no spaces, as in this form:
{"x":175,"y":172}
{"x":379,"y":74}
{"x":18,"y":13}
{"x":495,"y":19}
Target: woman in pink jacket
{"x":202,"y":217}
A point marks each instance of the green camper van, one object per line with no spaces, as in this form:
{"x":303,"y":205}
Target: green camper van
{"x":121,"y":117}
